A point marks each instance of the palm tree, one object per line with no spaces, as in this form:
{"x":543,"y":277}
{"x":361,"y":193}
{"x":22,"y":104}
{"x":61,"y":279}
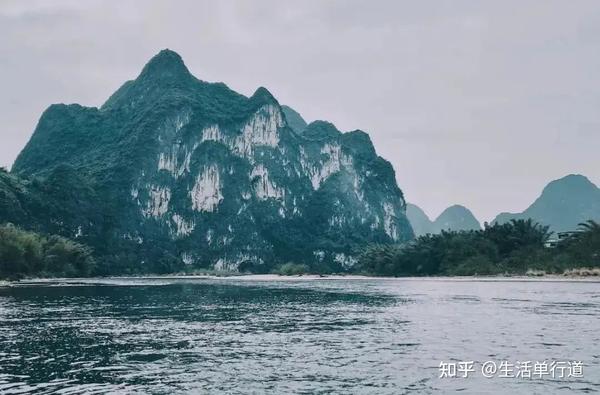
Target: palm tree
{"x":589,"y":226}
{"x":517,"y":233}
{"x":585,"y":244}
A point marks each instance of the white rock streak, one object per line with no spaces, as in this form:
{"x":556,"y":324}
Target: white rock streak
{"x":321,"y":170}
{"x":187,"y":258}
{"x":158,"y":204}
{"x":182,"y":227}
{"x":261,"y":129}
{"x":170,"y":160}
{"x":336,"y":221}
{"x":233,"y":263}
{"x":206,"y":194}
{"x":360,"y":194}
{"x":389,"y":224}
{"x":346,"y":261}
{"x":375,"y":223}
{"x":212,"y":133}
{"x":264,"y":188}
{"x":330,"y":166}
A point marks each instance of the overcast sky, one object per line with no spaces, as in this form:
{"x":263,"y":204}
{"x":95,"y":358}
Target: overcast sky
{"x":479,"y":103}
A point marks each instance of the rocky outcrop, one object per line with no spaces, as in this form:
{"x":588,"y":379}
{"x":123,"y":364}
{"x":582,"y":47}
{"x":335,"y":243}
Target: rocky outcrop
{"x":217,"y":179}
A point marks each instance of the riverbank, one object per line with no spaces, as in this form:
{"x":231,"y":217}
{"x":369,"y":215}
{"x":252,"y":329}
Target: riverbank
{"x":305,"y":277}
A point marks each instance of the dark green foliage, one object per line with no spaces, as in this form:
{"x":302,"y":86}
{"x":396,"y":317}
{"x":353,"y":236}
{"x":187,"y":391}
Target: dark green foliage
{"x":320,"y":130}
{"x":25,"y":253}
{"x":62,"y":203}
{"x":291,"y":269}
{"x":513,"y":247}
{"x":584,"y":246}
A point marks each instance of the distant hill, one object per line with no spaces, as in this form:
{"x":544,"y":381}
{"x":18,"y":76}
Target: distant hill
{"x":419,"y":221}
{"x":563,"y":204}
{"x":294,"y":120}
{"x":455,"y":217}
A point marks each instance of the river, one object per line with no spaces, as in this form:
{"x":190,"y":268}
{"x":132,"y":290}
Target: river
{"x":296,"y":335}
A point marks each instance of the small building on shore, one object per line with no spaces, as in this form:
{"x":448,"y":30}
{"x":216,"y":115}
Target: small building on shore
{"x":560,"y":236}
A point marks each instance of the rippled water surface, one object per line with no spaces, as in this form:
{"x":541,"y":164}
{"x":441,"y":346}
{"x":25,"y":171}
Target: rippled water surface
{"x":241,"y":335}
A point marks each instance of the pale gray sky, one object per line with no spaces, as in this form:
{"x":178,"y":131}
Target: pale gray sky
{"x":479,"y":103}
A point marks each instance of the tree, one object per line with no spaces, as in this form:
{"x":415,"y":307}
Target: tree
{"x":584,"y":246}
{"x":24,"y":253}
{"x":509,"y":247}
{"x":516,"y":234}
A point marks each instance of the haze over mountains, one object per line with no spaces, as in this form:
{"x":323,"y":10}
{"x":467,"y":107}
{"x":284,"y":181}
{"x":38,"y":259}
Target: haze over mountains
{"x":454,"y":218}
{"x":175,"y":171}
{"x":563,"y":204}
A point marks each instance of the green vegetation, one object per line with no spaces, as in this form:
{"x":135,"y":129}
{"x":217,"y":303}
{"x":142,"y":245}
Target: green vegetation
{"x":512,"y":248}
{"x":583,"y":247}
{"x":24,"y":253}
{"x":291,"y":269}
{"x":516,"y":247}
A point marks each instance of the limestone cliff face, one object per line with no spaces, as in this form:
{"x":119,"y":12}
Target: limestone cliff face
{"x":218,"y":179}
